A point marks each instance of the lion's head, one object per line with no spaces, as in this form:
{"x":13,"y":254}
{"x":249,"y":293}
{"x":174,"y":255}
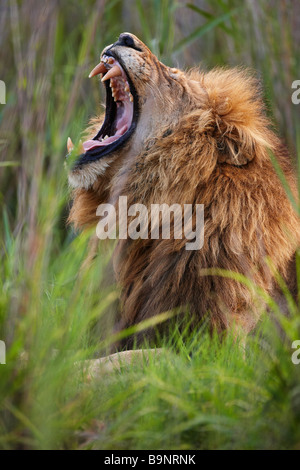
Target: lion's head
{"x":142,"y":96}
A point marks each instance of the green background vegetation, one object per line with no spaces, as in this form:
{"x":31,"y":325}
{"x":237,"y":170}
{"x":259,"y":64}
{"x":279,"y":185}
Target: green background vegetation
{"x":202,"y":394}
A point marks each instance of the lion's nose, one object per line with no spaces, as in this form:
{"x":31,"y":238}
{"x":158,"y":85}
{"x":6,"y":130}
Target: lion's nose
{"x":126,"y":40}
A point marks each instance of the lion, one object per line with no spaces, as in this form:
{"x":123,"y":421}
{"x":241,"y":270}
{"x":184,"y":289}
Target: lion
{"x":189,"y":137}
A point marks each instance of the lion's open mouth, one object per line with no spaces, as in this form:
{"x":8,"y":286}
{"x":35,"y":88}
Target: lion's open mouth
{"x":121,"y":110}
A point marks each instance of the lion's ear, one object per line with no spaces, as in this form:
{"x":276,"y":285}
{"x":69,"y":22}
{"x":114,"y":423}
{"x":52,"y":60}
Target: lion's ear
{"x":235,"y":149}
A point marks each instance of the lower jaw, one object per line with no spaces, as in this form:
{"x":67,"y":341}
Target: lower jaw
{"x":99,"y":152}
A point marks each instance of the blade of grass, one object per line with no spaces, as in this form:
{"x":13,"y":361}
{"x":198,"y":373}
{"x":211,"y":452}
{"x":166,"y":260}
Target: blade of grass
{"x":201,"y":30}
{"x":8,"y":164}
{"x":208,"y":16}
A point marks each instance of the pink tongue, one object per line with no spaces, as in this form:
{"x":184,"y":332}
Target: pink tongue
{"x":89,"y":144}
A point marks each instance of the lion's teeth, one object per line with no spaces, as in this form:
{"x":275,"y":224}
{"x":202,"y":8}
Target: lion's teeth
{"x":115,"y":93}
{"x":70,"y":145}
{"x":106,"y":137}
{"x":131,"y":97}
{"x":127,"y":88}
{"x":113,"y":72}
{"x":100,"y":68}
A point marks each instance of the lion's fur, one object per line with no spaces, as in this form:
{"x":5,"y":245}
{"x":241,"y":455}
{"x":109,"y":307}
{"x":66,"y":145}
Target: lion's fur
{"x":213,"y":150}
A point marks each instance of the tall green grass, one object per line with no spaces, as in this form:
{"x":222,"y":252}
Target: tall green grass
{"x":201,"y":392}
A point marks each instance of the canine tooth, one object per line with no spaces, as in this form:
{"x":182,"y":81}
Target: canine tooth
{"x":131,"y":97}
{"x":100,"y":68}
{"x":70,"y":145}
{"x":127,"y":88}
{"x":113,"y":72}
